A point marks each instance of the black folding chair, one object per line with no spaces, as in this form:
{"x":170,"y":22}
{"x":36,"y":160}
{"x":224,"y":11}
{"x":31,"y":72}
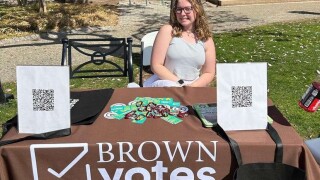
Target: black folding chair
{"x":3,"y":96}
{"x":90,"y":58}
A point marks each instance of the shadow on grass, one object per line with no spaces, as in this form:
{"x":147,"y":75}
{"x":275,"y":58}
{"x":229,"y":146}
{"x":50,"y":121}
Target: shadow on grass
{"x":305,"y":12}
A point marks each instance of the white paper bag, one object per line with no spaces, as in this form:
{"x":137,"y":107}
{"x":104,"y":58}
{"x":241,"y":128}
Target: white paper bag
{"x":43,"y":95}
{"x":242,"y":96}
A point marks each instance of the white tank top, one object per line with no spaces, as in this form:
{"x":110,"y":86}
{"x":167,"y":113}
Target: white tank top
{"x":185,"y":59}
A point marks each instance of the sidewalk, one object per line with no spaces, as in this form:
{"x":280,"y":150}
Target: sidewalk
{"x":136,"y":20}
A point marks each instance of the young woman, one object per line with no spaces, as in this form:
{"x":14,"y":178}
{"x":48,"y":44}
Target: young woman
{"x":183,"y":52}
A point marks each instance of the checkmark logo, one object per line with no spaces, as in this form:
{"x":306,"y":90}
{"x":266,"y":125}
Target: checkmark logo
{"x":33,"y":148}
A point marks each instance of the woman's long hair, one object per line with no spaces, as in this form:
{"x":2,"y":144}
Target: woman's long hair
{"x":201,"y":25}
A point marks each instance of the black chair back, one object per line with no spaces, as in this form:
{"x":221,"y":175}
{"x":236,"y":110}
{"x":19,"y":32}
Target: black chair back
{"x":91,"y":58}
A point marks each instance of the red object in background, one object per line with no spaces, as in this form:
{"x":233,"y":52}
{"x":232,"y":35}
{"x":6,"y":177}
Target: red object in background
{"x":310,"y":100}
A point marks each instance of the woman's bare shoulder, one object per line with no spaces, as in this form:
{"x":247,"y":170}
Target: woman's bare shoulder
{"x":166,"y":28}
{"x":209,"y":42}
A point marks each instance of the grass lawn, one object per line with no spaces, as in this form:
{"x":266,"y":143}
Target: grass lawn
{"x":292,"y":51}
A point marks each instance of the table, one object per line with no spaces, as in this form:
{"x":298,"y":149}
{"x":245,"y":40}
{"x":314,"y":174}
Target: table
{"x":156,"y":149}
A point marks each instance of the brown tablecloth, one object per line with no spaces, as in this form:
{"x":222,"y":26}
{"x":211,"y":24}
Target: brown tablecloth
{"x":156,"y":149}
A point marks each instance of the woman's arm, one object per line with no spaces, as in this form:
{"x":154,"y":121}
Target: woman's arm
{"x":209,"y":68}
{"x":159,"y":51}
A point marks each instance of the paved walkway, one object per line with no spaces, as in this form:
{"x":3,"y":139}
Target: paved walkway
{"x":136,"y":20}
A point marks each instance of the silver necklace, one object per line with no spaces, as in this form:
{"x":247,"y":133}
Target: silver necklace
{"x":190,"y":34}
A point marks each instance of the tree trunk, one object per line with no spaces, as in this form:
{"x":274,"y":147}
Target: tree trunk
{"x":81,"y":1}
{"x":42,"y":7}
{"x":22,"y":2}
{"x":77,"y":1}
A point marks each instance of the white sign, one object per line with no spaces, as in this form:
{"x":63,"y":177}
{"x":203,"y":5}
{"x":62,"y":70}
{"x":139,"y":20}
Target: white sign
{"x":242,"y":96}
{"x":43,"y":95}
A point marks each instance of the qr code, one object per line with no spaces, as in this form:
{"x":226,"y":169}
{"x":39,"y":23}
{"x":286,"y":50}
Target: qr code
{"x":241,"y":96}
{"x":43,"y":99}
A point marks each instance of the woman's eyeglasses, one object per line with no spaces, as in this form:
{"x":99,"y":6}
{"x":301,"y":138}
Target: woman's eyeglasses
{"x":186,"y":10}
